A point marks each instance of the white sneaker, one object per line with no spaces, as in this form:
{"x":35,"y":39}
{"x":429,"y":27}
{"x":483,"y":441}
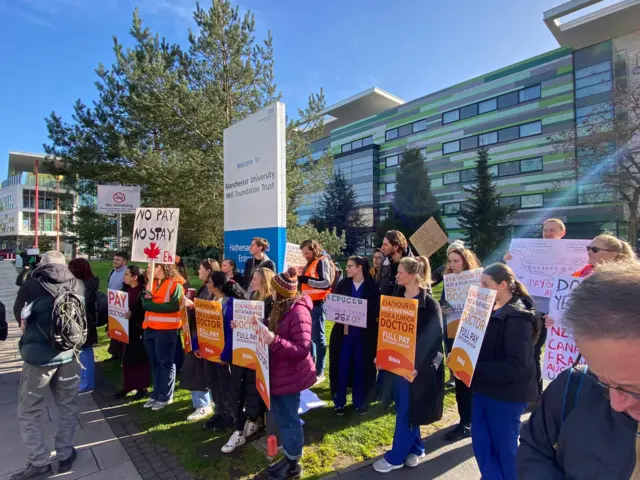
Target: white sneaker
{"x":150,"y":403}
{"x":161,"y":405}
{"x":200,"y":413}
{"x":250,"y":428}
{"x":383,"y":466}
{"x":413,"y":460}
{"x":236,"y":440}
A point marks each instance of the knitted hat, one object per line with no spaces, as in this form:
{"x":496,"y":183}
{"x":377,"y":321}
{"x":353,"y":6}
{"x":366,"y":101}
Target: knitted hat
{"x":286,"y":283}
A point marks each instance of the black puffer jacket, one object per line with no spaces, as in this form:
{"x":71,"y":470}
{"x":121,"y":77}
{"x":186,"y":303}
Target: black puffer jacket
{"x":91,"y":287}
{"x":388,"y":273}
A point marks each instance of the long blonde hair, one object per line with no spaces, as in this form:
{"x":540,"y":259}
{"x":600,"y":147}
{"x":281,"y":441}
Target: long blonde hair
{"x":622,"y":248}
{"x":420,"y":267}
{"x":265,"y":291}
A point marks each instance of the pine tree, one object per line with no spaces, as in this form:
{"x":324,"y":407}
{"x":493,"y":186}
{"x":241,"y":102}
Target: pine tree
{"x":483,"y":219}
{"x":339,"y":210}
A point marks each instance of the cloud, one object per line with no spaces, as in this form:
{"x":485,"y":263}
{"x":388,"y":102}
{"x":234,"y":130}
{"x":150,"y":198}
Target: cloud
{"x":36,"y":20}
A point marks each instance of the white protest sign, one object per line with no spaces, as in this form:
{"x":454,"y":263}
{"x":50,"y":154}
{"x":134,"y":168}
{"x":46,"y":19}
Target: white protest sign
{"x":262,"y":366}
{"x":118,"y":306}
{"x":348,"y":310}
{"x":537,"y":263}
{"x":456,"y":287}
{"x":244,"y":333}
{"x":293,"y":257}
{"x":560,"y":350}
{"x":473,"y":325}
{"x":118,"y":199}
{"x":155,"y":235}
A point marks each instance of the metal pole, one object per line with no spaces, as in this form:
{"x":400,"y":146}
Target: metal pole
{"x":35,"y":245}
{"x":58,"y":213}
{"x":118,"y":231}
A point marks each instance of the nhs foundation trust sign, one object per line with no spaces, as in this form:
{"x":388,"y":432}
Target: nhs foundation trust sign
{"x":255,"y":185}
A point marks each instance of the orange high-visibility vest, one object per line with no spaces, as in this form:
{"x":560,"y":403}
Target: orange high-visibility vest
{"x":162,"y":294}
{"x":315,"y":294}
{"x":585,"y":272}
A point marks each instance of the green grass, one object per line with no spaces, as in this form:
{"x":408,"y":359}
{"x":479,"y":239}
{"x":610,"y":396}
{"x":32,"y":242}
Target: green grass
{"x":331,"y":442}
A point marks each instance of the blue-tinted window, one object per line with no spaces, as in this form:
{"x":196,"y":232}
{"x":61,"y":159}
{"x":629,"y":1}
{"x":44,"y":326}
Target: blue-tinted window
{"x":391,"y":134}
{"x":530,"y":93}
{"x":451,"y":147}
{"x":529,"y":129}
{"x":452,"y":116}
{"x":488,"y":105}
{"x":419,"y":126}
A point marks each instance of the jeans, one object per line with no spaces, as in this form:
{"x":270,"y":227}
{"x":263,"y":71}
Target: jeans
{"x":406,"y":439}
{"x":352,"y":352}
{"x":285,"y":410}
{"x":87,"y":369}
{"x":319,"y":351}
{"x":494,"y":432}
{"x":201,"y":399}
{"x":161,"y":345}
{"x":64,"y":383}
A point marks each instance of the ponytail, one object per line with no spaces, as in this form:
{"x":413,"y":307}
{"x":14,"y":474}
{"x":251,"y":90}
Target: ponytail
{"x":420,"y":267}
{"x":500,"y":272}
{"x":624,"y":250}
{"x":230,"y":288}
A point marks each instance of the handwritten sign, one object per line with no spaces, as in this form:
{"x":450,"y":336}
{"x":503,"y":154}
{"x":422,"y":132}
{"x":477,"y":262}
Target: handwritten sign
{"x":429,"y":238}
{"x":118,"y":326}
{"x":209,"y":323}
{"x":560,"y":351}
{"x":348,"y":310}
{"x":473,"y":325}
{"x":293,"y":257}
{"x":262,"y":364}
{"x":537,"y":263}
{"x":397,"y":335}
{"x":155,"y":235}
{"x":456,"y":287}
{"x":187,"y":341}
{"x":244,"y":333}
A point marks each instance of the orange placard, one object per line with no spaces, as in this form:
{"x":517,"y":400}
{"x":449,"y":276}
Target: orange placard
{"x":210,"y":329}
{"x":262,"y":364}
{"x":118,"y":326}
{"x":397,"y":335}
{"x":186,"y":333}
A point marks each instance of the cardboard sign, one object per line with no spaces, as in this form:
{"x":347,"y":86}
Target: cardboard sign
{"x":293,"y":257}
{"x":456,"y":287}
{"x":118,"y":326}
{"x":262,"y":364}
{"x":155,"y":235}
{"x":473,"y":325}
{"x":537,"y":263}
{"x":186,"y":332}
{"x":397,"y":335}
{"x":244,"y":334}
{"x":560,"y":351}
{"x":348,"y":310}
{"x":429,"y":238}
{"x":210,"y":328}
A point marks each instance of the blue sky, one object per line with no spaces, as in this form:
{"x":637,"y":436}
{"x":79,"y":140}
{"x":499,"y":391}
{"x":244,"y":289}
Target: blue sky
{"x":407,"y":47}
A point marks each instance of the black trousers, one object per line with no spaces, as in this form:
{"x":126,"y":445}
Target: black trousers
{"x":220,"y":384}
{"x":464,"y":395}
{"x":538,"y":357}
{"x":246,"y":400}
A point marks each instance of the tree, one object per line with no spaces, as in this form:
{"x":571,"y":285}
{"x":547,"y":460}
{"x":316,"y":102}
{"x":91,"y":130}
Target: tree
{"x":483,"y":219}
{"x":329,"y":239}
{"x":605,"y":154}
{"x":92,"y":229}
{"x":339,"y":210}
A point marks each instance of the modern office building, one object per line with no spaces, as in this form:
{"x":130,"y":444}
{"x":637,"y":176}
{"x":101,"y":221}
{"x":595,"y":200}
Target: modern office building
{"x":518,"y":113}
{"x":18,"y":204}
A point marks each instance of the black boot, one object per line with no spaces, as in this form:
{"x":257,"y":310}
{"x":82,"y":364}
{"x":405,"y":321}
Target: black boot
{"x":32,"y":472}
{"x":460,"y":432}
{"x":285,"y":469}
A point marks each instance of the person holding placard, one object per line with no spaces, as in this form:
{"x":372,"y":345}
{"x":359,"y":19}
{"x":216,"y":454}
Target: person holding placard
{"x":504,"y":379}
{"x":353,"y":349}
{"x":261,"y":289}
{"x":421,"y":401}
{"x":162,"y":303}
{"x":460,"y":259}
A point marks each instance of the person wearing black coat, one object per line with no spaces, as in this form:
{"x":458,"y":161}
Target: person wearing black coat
{"x":259,"y":259}
{"x":395,"y":247}
{"x":352,"y":350}
{"x":504,"y":380}
{"x":420,"y":402}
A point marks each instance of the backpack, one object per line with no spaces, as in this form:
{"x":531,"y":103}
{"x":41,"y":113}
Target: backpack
{"x":101,"y":307}
{"x":68,"y":330}
{"x":572,"y":389}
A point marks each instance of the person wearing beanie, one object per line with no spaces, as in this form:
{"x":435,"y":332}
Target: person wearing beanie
{"x":291,"y":368}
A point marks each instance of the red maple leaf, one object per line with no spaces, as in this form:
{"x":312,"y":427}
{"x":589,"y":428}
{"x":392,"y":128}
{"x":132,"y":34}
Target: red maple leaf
{"x":152,"y":251}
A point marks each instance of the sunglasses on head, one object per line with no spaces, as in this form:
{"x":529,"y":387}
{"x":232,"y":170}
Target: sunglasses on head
{"x":597,"y":249}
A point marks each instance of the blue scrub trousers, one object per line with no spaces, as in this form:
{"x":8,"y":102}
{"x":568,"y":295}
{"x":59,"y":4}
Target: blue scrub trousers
{"x":351,"y":351}
{"x":87,"y":371}
{"x":406,"y":439}
{"x":495,"y":427}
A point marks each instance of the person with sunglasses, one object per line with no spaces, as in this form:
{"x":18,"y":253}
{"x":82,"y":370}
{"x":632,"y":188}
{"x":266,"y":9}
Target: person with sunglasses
{"x":587,"y":423}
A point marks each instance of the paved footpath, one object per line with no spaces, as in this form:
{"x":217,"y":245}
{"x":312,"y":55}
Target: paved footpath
{"x":100,"y":453}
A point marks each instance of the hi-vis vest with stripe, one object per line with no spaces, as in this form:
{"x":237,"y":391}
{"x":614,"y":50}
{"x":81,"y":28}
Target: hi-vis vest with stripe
{"x":315,"y":294}
{"x":163,"y":321}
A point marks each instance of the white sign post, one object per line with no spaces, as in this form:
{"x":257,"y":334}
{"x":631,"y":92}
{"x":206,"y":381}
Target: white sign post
{"x":347,"y":310}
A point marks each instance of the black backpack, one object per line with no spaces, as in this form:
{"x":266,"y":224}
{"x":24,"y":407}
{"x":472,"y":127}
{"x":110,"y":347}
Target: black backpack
{"x":101,"y":307}
{"x":68,"y":329}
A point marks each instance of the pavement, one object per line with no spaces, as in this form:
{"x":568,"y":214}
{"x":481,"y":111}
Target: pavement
{"x":101,"y":454}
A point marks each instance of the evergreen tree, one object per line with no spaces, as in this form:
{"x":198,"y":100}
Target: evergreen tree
{"x":92,"y":229}
{"x":339,"y":210}
{"x":483,"y":219}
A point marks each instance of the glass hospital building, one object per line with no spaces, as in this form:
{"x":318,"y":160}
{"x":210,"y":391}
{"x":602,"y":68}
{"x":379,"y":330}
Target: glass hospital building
{"x":516,"y":112}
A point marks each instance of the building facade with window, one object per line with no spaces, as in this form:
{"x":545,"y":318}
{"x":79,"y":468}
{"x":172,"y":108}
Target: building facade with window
{"x":522,"y":113}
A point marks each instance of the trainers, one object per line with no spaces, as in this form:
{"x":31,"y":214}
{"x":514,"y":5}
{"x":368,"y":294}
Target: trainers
{"x":250,"y":428}
{"x":65,"y":465}
{"x":200,"y":413}
{"x":413,"y":460}
{"x":149,"y":404}
{"x":236,"y":440}
{"x":460,"y":432}
{"x":161,"y":405}
{"x":225,"y":422}
{"x":339,"y":411}
{"x":32,"y":472}
{"x":382,"y":466}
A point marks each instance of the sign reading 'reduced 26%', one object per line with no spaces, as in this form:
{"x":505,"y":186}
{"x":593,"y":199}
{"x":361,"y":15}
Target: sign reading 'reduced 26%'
{"x":155,"y":235}
{"x":347,"y":310}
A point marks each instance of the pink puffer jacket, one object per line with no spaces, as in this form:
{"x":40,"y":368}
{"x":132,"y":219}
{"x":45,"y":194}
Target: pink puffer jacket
{"x":290,"y":364}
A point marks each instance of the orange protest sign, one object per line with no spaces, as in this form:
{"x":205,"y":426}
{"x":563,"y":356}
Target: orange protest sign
{"x":210,"y":329}
{"x":397,"y":335}
{"x":118,"y":305}
{"x":186,"y":333}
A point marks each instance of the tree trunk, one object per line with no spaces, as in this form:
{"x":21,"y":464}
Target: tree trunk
{"x":632,"y":235}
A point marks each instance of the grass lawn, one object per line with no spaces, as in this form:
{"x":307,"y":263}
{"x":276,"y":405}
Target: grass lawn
{"x":331,"y":442}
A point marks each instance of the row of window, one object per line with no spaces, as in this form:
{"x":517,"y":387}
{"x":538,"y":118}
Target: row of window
{"x":596,"y":118}
{"x":520,"y":202}
{"x":501,"y":170}
{"x":393,"y":160}
{"x":404,"y":130}
{"x":593,"y":79}
{"x":6,"y":203}
{"x":491,"y":138}
{"x":363,"y":142}
{"x":496,"y":103}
